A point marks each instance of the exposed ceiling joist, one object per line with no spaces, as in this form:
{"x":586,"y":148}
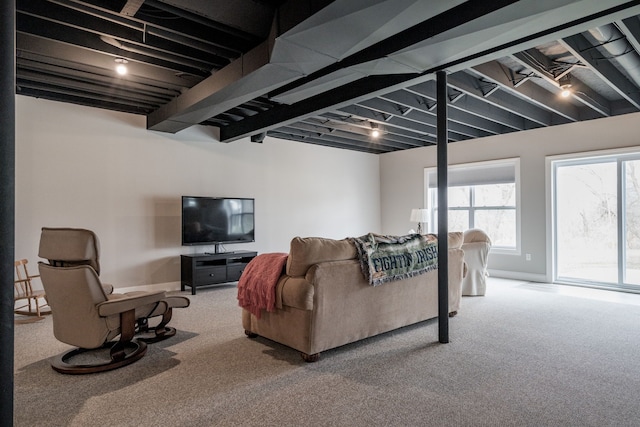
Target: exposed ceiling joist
{"x":325,"y":71}
{"x":497,"y":73}
{"x":581,"y":91}
{"x":631,"y":27}
{"x":334,"y":99}
{"x":458,"y":116}
{"x":474,"y":105}
{"x":131,"y":7}
{"x":503,"y":99}
{"x":580,"y":48}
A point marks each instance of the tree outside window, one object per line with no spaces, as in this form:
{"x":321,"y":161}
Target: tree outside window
{"x":490,"y":207}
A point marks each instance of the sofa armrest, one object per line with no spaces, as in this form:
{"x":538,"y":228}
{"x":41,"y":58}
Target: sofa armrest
{"x":294,"y":292}
{"x":457,"y":271}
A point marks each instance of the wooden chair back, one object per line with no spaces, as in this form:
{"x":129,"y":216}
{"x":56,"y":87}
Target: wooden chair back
{"x":23,"y":282}
{"x":23,"y":290}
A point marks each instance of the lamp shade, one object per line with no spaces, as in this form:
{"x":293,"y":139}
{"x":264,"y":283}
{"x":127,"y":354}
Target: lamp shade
{"x":419,"y":215}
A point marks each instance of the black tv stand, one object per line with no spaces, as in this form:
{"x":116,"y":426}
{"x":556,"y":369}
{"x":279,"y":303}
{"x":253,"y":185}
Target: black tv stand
{"x":212,"y":268}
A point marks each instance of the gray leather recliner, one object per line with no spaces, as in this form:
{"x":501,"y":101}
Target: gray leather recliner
{"x":87,"y":314}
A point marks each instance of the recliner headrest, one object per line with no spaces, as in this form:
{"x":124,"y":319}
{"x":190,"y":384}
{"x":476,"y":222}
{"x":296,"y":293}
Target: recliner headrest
{"x":68,"y":247}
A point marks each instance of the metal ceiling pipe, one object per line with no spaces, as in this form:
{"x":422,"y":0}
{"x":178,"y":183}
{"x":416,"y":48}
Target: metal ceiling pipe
{"x":615,"y":42}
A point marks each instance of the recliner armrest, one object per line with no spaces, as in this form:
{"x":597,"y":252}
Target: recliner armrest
{"x":126,"y":303}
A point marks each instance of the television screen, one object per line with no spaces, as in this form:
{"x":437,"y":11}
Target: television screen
{"x":215,"y":220}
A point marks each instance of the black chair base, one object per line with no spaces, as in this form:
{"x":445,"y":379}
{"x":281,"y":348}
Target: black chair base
{"x":153,"y":335}
{"x":128,"y":353}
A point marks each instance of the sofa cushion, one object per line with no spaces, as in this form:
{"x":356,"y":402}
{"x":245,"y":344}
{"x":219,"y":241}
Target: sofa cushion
{"x":455,"y":240}
{"x":307,"y":251}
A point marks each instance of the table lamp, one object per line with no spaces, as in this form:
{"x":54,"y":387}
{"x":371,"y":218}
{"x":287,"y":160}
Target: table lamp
{"x":420,"y":216}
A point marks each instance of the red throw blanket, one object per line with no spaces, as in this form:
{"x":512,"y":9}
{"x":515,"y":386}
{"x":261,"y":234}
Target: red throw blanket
{"x":257,"y":285}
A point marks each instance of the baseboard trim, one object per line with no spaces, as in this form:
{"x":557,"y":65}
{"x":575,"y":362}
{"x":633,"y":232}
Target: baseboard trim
{"x":168,"y":286}
{"x":518,"y":275}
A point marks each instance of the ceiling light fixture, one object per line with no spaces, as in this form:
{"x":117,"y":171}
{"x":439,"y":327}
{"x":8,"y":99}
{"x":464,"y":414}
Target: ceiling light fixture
{"x":374,"y":130}
{"x":121,"y":67}
{"x":565,"y":86}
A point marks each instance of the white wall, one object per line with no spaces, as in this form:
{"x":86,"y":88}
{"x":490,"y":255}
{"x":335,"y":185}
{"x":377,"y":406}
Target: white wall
{"x":102,"y":170}
{"x":402,"y":179}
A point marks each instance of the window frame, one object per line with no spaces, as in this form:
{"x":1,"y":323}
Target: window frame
{"x":478,"y":168}
{"x":620,"y":158}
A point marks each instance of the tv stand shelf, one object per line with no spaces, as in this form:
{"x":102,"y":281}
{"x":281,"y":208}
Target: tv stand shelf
{"x":211,"y":269}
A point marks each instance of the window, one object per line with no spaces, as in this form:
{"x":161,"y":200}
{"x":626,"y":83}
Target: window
{"x":596,"y":214}
{"x":481,"y":195}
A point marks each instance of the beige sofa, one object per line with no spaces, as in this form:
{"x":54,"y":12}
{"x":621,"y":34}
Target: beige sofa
{"x":324,"y":301}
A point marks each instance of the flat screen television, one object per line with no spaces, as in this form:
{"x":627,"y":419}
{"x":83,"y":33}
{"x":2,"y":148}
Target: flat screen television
{"x":217,"y":220}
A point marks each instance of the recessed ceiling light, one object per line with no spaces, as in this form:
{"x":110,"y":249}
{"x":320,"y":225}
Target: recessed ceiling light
{"x":121,"y":67}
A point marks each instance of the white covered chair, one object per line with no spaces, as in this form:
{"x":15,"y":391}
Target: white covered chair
{"x":475,"y":244}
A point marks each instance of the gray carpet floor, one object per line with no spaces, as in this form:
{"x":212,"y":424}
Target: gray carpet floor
{"x":524,"y":355}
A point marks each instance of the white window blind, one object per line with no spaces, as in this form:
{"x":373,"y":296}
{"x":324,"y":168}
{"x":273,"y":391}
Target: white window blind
{"x":498,"y":172}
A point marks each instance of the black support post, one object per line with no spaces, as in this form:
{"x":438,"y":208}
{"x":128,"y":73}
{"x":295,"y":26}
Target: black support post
{"x":7,"y":206}
{"x":443,"y":208}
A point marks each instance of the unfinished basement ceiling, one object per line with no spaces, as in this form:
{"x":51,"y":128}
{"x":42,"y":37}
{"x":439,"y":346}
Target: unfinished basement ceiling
{"x":328,"y":72}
